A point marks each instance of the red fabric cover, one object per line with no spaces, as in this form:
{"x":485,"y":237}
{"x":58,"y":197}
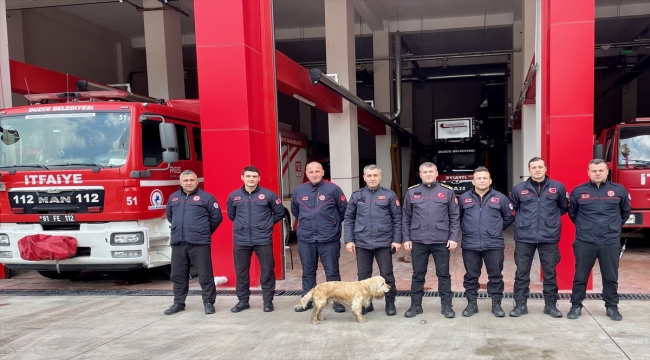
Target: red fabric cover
{"x":47,"y":247}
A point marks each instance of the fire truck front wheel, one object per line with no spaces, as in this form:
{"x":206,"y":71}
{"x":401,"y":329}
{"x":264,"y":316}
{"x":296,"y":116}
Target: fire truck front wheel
{"x":62,"y":275}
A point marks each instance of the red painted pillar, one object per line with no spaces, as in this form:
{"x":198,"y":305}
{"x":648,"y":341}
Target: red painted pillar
{"x":235,"y":53}
{"x":3,"y":273}
{"x":567,"y":104}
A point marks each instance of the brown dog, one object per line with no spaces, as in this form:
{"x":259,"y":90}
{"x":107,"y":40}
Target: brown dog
{"x":356,"y":294}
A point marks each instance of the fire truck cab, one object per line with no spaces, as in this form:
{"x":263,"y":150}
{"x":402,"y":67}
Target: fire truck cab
{"x":626,"y":149}
{"x":96,"y":169}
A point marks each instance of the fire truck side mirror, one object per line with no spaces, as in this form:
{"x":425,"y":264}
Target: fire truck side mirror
{"x":168,"y":136}
{"x":170,"y":157}
{"x":599,"y":151}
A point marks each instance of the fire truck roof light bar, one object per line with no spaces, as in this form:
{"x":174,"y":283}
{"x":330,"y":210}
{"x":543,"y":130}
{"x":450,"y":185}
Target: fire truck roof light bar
{"x":317,"y":77}
{"x":84,"y":85}
{"x":80,"y":95}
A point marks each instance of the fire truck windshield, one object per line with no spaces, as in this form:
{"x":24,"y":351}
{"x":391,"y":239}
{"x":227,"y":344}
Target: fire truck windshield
{"x":40,"y":141}
{"x":637,"y":138}
{"x":458,"y":161}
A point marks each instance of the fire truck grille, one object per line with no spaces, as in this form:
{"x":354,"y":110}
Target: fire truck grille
{"x":56,"y":201}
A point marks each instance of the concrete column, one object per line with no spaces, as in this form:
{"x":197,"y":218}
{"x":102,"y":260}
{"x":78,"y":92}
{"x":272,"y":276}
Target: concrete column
{"x":162,"y":33}
{"x":567,"y":104}
{"x":235,"y":57}
{"x":516,"y":82}
{"x":530,"y":119}
{"x":406,"y":121}
{"x":343,"y":130}
{"x":5,"y":79}
{"x":383,"y":85}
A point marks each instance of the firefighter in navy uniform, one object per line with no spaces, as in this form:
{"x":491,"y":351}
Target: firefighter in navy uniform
{"x":598,"y":208}
{"x":484,"y":214}
{"x":319,"y":206}
{"x":194,"y":216}
{"x":254,"y":211}
{"x":373,"y":227}
{"x":430,"y":226}
{"x":540,"y":203}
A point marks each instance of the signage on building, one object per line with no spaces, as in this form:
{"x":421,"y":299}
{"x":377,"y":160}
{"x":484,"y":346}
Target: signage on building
{"x":453,"y":128}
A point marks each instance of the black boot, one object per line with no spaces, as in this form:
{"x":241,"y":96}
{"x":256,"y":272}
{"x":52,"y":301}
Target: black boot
{"x":365,"y":310}
{"x":574,"y":312}
{"x":496,"y":306}
{"x":521,"y":308}
{"x":551,"y":308}
{"x":390,"y":307}
{"x":339,"y":308}
{"x":612,"y":313}
{"x":413,"y":310}
{"x":447,"y":311}
{"x":472,"y":307}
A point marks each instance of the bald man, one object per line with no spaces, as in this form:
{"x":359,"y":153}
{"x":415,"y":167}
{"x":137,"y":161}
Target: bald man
{"x":319,"y":206}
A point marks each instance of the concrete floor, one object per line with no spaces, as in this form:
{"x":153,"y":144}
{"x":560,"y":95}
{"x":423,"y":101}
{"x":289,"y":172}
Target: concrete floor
{"x":129,"y":327}
{"x":634,"y":274}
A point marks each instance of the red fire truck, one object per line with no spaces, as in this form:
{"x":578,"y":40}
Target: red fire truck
{"x":99,"y":166}
{"x":626,"y":149}
{"x":98,"y":171}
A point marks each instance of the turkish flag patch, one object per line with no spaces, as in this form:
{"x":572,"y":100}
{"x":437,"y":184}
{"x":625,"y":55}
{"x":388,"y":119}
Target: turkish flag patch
{"x":467,"y":201}
{"x":278,"y":201}
{"x":237,"y":198}
{"x":585,"y":196}
{"x":396,"y":202}
{"x":495,"y":200}
{"x":342,"y":197}
{"x":552,"y":190}
{"x":381,"y":197}
{"x":441,"y":195}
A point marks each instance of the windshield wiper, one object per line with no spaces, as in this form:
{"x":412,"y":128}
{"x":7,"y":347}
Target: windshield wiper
{"x":79,"y":164}
{"x":639,"y":161}
{"x":25,"y":165}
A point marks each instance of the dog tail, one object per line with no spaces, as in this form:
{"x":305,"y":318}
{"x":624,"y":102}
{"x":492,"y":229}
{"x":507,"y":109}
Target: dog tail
{"x":307,"y":298}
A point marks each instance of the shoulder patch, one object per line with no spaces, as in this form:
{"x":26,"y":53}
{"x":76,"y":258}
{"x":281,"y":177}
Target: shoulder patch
{"x":447,"y":186}
{"x":414,"y":186}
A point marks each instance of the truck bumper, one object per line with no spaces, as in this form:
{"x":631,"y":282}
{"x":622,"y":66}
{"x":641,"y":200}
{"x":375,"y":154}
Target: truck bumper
{"x":94,"y":249}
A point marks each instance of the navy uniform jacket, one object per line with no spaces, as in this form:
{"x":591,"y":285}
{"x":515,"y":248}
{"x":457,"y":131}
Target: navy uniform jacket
{"x":430,"y":214}
{"x":483,"y":221}
{"x":193,"y":218}
{"x":253,"y":215}
{"x":538,"y":218}
{"x":599,"y":212}
{"x":320,"y":209}
{"x":373,"y":218}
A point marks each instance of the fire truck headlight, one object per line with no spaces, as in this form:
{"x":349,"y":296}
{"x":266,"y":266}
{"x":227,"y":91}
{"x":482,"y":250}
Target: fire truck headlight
{"x":127,"y":239}
{"x":4,"y":240}
{"x":127,"y":254}
{"x":6,"y":254}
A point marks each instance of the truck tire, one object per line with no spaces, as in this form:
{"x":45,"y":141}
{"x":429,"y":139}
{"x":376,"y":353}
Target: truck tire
{"x":57,"y":276}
